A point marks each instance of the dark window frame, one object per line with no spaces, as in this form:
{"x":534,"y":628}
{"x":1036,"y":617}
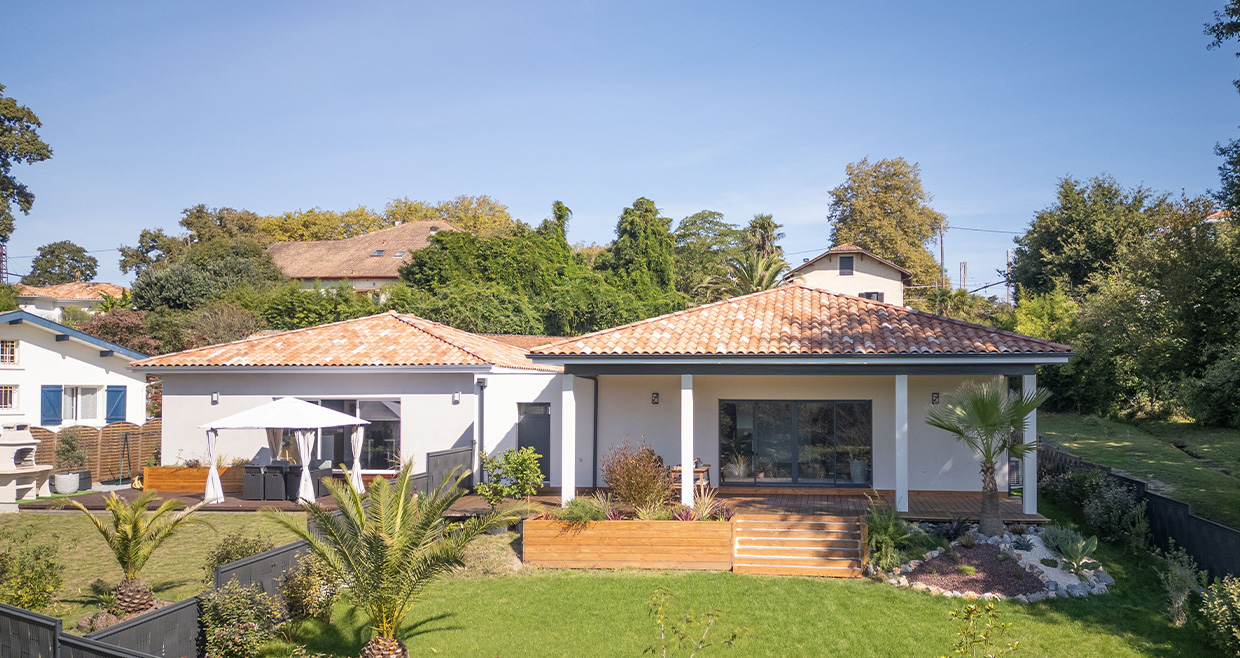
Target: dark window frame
{"x":852,"y":265}
{"x":795,"y":480}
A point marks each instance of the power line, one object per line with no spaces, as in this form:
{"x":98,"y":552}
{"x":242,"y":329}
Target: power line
{"x":92,"y":251}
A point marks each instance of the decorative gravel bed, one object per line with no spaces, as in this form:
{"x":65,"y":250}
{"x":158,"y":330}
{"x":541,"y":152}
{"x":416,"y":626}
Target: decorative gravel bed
{"x":1004,"y":577}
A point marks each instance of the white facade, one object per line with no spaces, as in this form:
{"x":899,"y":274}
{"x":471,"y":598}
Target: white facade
{"x":438,"y":408}
{"x":51,"y":308}
{"x":36,"y":353}
{"x":868,"y":276}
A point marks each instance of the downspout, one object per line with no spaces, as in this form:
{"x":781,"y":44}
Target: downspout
{"x":480,"y":448}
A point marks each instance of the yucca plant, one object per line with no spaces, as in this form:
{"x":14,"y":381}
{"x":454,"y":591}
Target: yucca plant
{"x":991,"y":421}
{"x":387,"y":544}
{"x":133,"y":534}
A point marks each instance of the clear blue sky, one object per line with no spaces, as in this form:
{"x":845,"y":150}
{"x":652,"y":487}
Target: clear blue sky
{"x":740,"y":108}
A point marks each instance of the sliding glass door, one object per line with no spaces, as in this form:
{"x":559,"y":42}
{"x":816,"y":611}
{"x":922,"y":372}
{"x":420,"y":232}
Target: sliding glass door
{"x":809,"y":442}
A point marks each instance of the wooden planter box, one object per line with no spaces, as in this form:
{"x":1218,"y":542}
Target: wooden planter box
{"x":169,"y":479}
{"x":698,"y":545}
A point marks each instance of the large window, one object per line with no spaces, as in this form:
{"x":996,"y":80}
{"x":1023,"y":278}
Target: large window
{"x":813,"y":442}
{"x":381,"y":443}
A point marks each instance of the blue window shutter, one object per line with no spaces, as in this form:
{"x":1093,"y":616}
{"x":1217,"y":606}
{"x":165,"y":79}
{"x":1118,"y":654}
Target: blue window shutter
{"x":50,"y":405}
{"x":116,"y":404}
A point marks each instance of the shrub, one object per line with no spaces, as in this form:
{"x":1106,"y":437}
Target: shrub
{"x":233,"y":547}
{"x":1077,"y":553}
{"x":637,"y":475}
{"x":966,"y":570}
{"x":981,"y":632}
{"x":1022,"y":543}
{"x":1074,"y":487}
{"x":658,"y":512}
{"x":1112,"y":511}
{"x":580,"y":511}
{"x":1050,"y":562}
{"x":1220,"y":611}
{"x":237,"y":619}
{"x":968,"y":541}
{"x":884,"y":555}
{"x":514,"y":474}
{"x":310,"y":589}
{"x":605,"y":502}
{"x":919,"y":543}
{"x":1056,"y":536}
{"x":952,"y":530}
{"x":1179,"y":580}
{"x":683,"y":512}
{"x":30,"y":573}
{"x":884,"y":525}
{"x":70,"y":455}
{"x":1018,"y":528}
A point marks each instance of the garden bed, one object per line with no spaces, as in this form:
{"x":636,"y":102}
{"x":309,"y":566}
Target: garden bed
{"x":692,"y":545}
{"x":180,"y":479}
{"x":989,"y":573}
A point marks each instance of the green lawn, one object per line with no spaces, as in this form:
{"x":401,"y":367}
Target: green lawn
{"x":603,"y":613}
{"x":174,"y":572}
{"x":1147,"y":451}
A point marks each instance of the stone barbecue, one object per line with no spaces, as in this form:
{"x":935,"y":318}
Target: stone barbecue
{"x":20,"y":477}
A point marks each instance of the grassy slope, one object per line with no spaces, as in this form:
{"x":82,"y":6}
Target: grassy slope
{"x":1152,"y":456}
{"x":174,"y":571}
{"x":603,"y":613}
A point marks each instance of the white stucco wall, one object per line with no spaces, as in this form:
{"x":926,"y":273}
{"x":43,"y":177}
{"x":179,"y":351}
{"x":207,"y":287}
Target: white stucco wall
{"x":936,"y":462}
{"x":52,"y":308}
{"x":41,"y":360}
{"x":869,"y":275}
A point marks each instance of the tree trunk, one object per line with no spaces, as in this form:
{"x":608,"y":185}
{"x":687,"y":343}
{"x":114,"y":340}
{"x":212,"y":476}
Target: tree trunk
{"x":385,"y":647}
{"x":990,"y":522}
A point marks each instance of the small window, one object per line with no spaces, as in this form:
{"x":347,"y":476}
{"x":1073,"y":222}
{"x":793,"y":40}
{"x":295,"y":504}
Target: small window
{"x":875,"y":296}
{"x":377,"y":252}
{"x":399,"y":254}
{"x":80,"y":403}
{"x":8,"y":397}
{"x":8,"y":351}
{"x":846,"y":265}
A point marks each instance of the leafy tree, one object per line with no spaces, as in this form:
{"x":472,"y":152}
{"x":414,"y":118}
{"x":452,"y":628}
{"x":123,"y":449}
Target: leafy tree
{"x":291,"y":307}
{"x":109,"y":303}
{"x":8,"y":297}
{"x":19,"y":144}
{"x":991,"y":422}
{"x":154,"y":246}
{"x":1226,"y":26}
{"x":319,"y":224}
{"x":470,"y":306}
{"x":480,"y":215}
{"x":883,"y":208}
{"x":642,"y":257}
{"x":220,"y":322}
{"x":1051,"y":315}
{"x":704,"y":243}
{"x":388,"y":544}
{"x":61,"y":262}
{"x":180,"y":286}
{"x":761,"y":236}
{"x":208,"y":224}
{"x":1083,"y":234}
{"x":124,"y":327}
{"x":133,"y":534}
{"x":964,"y":306}
{"x":74,"y":316}
{"x":207,"y":271}
{"x":752,"y":273}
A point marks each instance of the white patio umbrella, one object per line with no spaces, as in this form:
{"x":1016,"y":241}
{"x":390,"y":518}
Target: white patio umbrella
{"x":281,"y":414}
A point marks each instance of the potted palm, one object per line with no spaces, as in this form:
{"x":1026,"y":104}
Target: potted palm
{"x":133,"y":534}
{"x":991,"y":421}
{"x":388,"y":543}
{"x":70,"y":458}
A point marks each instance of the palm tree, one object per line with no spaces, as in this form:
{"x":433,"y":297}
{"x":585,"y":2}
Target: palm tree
{"x":762,"y":234}
{"x":991,"y":421}
{"x":133,"y":534}
{"x":753,"y":273}
{"x":387,"y":544}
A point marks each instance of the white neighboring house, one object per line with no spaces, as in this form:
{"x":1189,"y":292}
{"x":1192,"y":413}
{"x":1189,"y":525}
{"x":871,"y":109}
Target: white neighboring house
{"x":423,"y":386}
{"x":51,"y":301}
{"x":54,"y":376}
{"x":851,"y":270}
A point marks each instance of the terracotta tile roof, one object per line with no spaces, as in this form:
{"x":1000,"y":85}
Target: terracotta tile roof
{"x":387,"y":339}
{"x":525,"y":341}
{"x":797,"y":320}
{"x":848,"y":249}
{"x":351,"y":257}
{"x":77,"y":290}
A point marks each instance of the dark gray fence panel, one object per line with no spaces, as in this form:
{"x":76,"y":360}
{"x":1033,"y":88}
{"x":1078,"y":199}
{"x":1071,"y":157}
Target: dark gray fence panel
{"x":439,"y":466}
{"x":421,"y":482}
{"x":72,"y":646}
{"x":168,"y":632}
{"x":264,"y":569}
{"x":1216,"y":547}
{"x":26,"y":634}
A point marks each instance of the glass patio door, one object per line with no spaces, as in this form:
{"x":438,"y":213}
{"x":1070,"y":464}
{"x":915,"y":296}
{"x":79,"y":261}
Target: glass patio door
{"x":811,"y":442}
{"x":774,"y":442}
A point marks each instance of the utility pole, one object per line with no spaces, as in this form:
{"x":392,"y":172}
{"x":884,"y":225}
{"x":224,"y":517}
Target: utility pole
{"x":4,"y":263}
{"x":1007,"y":277}
{"x":964,"y":275}
{"x":942,"y":260}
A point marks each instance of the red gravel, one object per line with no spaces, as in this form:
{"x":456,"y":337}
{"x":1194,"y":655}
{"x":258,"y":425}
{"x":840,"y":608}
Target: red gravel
{"x":1003,"y":577}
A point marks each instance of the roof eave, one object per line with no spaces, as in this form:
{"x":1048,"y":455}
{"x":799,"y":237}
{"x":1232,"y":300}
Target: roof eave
{"x":402,"y":369}
{"x":1023,"y":358}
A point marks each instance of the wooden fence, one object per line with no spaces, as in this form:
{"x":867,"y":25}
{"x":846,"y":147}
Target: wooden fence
{"x":1215,"y":546}
{"x":105,"y":447}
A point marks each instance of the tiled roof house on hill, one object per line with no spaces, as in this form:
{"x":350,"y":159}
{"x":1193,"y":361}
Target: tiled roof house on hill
{"x":50,"y":301}
{"x":368,"y":261}
{"x":800,"y":388}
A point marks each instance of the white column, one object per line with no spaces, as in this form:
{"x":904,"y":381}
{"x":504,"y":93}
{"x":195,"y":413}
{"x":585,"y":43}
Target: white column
{"x":686,"y":439}
{"x":902,"y":443}
{"x":1029,"y":465}
{"x":568,"y":441}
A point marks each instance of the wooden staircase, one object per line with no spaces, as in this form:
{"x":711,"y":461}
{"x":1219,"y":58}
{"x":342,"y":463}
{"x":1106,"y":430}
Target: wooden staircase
{"x":786,"y":545}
